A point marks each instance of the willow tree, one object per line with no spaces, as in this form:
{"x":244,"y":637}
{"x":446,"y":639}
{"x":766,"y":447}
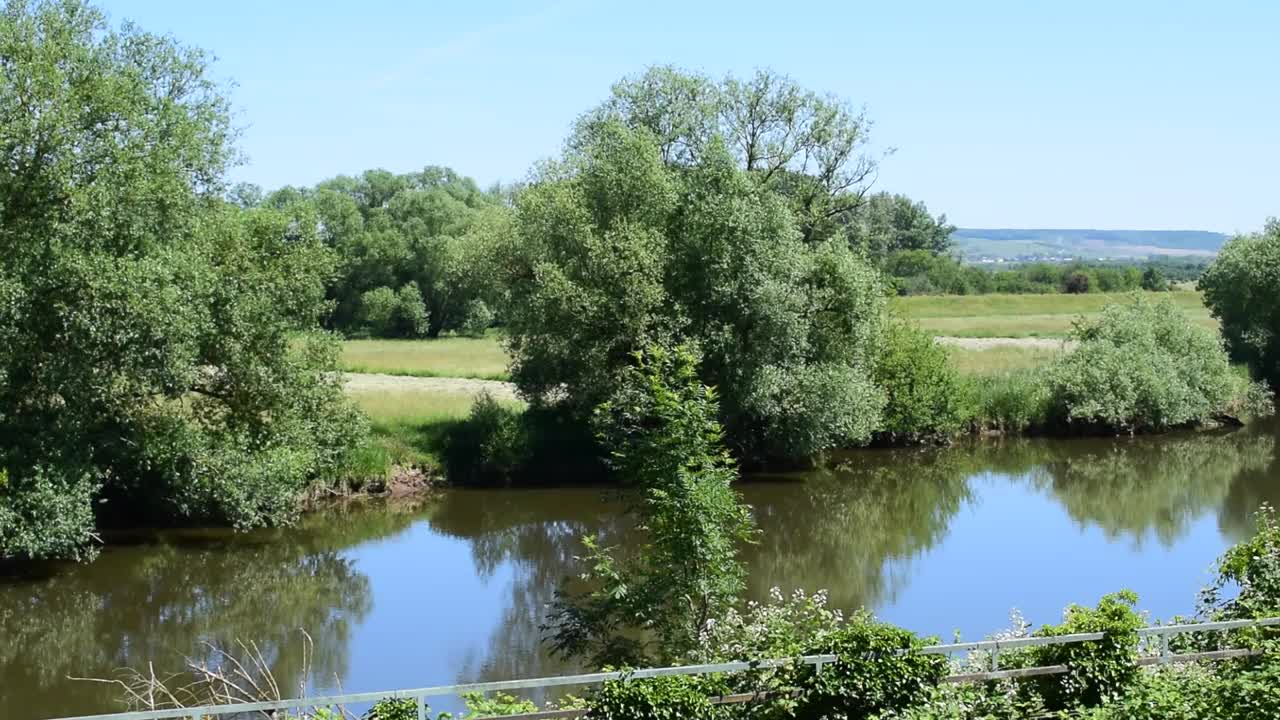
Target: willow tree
{"x":627,"y":242}
{"x":156,"y":359}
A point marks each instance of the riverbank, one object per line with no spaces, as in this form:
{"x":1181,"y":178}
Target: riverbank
{"x":451,"y":590}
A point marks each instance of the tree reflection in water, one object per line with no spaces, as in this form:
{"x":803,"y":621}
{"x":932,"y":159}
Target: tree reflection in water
{"x":861,"y":530}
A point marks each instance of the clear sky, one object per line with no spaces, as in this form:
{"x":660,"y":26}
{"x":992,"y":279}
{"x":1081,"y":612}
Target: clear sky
{"x":1118,"y":114}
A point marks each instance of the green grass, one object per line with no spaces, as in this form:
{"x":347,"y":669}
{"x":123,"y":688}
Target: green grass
{"x":1022,"y":315}
{"x":1000,"y":360}
{"x":409,"y":426}
{"x":482,"y":358}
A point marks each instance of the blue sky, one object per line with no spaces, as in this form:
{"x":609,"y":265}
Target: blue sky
{"x":1152,"y":115}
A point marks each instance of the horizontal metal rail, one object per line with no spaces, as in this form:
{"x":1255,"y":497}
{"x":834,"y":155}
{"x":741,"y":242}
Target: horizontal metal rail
{"x":1164,"y":632}
{"x":818,"y":661}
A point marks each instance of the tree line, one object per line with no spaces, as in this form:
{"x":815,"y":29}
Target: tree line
{"x":167,"y":344}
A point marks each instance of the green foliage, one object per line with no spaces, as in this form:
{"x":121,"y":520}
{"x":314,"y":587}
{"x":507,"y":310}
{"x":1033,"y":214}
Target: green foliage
{"x":1142,"y":366}
{"x":393,"y":313}
{"x":1154,"y":280}
{"x":433,"y":235}
{"x":499,"y":704}
{"x":988,"y":701}
{"x":886,"y":224}
{"x":1186,"y":692}
{"x":490,"y":446}
{"x":476,"y":318}
{"x":618,"y":250}
{"x":662,"y":698}
{"x":654,"y":600}
{"x":1098,"y":672}
{"x":875,"y":672}
{"x":401,"y":709}
{"x":927,"y":398}
{"x":1251,"y":692}
{"x":1076,"y":283}
{"x":155,"y":361}
{"x":46,"y":511}
{"x":806,"y":148}
{"x":1242,"y":289}
{"x":1251,"y":569}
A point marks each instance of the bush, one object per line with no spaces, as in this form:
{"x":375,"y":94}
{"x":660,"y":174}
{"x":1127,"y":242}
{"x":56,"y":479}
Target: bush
{"x":476,"y":319}
{"x":872,"y":673}
{"x":46,"y":511}
{"x":1100,"y":671}
{"x":491,"y":445}
{"x":927,"y":398}
{"x":1154,"y":280}
{"x":394,"y":313}
{"x":1076,"y":283}
{"x":661,"y":698}
{"x":1142,"y":366}
{"x":1242,"y":289}
{"x":1177,"y":692}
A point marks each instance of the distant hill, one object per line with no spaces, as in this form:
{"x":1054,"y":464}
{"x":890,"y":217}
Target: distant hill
{"x":976,"y":244}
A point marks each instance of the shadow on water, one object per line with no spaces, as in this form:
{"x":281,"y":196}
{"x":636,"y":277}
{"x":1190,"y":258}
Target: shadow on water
{"x":877,"y":530}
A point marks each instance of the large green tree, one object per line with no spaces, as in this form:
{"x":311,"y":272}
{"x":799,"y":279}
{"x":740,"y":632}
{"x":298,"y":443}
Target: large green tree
{"x":886,"y":224}
{"x":617,"y":248}
{"x":414,"y":249}
{"x":1242,"y":290}
{"x":156,"y":359}
{"x":809,"y":148}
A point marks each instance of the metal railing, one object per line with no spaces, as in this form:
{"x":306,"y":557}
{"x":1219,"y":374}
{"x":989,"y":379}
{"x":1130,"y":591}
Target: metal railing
{"x":420,"y":695}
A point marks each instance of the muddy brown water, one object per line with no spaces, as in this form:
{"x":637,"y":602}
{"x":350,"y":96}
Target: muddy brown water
{"x":454,"y":589}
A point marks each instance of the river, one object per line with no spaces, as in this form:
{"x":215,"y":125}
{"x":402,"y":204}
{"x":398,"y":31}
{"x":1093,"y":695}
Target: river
{"x":453,"y":589}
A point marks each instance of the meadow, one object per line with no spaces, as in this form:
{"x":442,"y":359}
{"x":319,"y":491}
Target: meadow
{"x":461,"y":357}
{"x":1048,"y":315}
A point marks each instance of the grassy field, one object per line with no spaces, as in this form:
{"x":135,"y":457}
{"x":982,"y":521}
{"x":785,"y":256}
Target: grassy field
{"x":1021,"y":315}
{"x":409,"y":426}
{"x":481,"y":358}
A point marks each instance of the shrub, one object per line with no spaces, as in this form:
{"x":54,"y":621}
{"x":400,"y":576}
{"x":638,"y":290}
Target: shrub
{"x":661,"y":698}
{"x":1141,"y":366}
{"x":394,"y":313}
{"x":410,"y":318}
{"x":1097,"y":671}
{"x":46,"y":511}
{"x":476,"y":319}
{"x":874,"y":673}
{"x":1076,"y":283}
{"x":1154,"y":280}
{"x":491,"y":445}
{"x":377,"y":307}
{"x":926,"y":396}
{"x":1177,"y":692}
{"x":1242,"y":289}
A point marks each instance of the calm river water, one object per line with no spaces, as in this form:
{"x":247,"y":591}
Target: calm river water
{"x":454,"y":589}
